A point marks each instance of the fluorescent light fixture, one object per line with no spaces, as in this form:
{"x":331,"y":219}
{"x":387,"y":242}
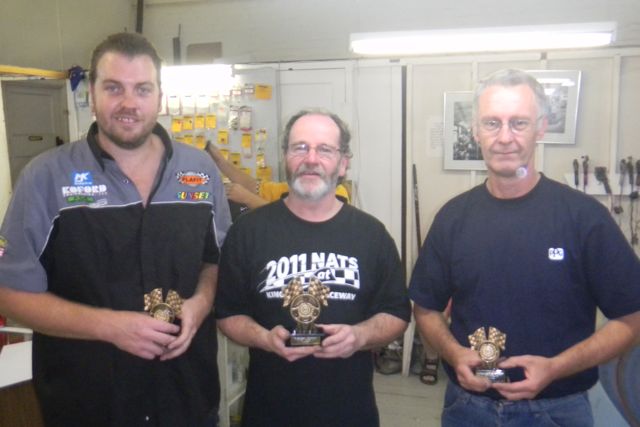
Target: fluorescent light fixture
{"x":196,"y":79}
{"x":539,"y":37}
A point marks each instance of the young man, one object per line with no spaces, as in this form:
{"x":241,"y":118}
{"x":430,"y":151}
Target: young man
{"x":532,"y":258}
{"x":311,"y":234}
{"x":93,"y":228}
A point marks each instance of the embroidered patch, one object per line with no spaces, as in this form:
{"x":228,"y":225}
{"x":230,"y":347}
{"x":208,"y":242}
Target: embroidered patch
{"x":81,"y":199}
{"x":556,"y":254}
{"x":84,"y":190}
{"x":3,"y":246}
{"x":193,"y":195}
{"x":192,"y":179}
{"x":82,"y":178}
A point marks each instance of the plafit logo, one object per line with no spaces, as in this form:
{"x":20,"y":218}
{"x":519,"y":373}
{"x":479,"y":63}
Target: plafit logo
{"x":556,"y":254}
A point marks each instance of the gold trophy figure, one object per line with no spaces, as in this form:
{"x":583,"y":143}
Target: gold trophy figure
{"x":488,"y":348}
{"x":166,"y":310}
{"x":305,"y":308}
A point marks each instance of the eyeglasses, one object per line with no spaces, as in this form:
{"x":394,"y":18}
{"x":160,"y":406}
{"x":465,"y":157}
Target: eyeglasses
{"x":493,"y":126}
{"x":323,"y":151}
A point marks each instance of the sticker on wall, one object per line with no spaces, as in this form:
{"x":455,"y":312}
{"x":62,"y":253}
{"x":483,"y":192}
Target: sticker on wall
{"x":210,"y":121}
{"x":263,"y":92}
{"x":223,"y":137}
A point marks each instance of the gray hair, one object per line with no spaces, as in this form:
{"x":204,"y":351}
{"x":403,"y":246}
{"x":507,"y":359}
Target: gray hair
{"x":509,"y":78}
{"x":345,"y":134}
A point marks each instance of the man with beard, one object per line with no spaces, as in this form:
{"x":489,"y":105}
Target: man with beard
{"x":247,"y":191}
{"x":311,"y":235}
{"x":100,"y":231}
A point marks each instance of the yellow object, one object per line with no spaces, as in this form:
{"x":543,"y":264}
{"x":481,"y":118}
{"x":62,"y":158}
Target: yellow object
{"x":11,"y":70}
{"x":223,"y":137}
{"x":210,"y":121}
{"x":263,"y":92}
{"x":176,"y":124}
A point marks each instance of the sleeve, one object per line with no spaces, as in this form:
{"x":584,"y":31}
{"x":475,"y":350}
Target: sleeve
{"x":391,"y":293}
{"x":272,"y":191}
{"x":611,"y":267}
{"x":341,"y":191}
{"x":232,"y":295}
{"x":23,"y":236}
{"x":430,"y":283}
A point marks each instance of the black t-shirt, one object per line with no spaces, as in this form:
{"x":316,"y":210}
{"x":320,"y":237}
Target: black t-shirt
{"x":356,"y":258}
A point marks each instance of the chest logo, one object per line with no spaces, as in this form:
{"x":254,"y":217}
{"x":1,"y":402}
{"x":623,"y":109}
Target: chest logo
{"x":82,"y":178}
{"x":556,"y":254}
{"x":192,"y":179}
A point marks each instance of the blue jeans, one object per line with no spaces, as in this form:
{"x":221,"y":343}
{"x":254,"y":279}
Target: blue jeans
{"x":463,"y":409}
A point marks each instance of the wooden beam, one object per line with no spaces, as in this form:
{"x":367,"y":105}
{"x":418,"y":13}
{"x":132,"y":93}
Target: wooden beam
{"x":10,"y":70}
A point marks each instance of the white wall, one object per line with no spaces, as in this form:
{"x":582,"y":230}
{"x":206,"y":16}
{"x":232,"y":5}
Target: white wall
{"x":286,"y":30}
{"x":58,"y":34}
{"x":602,"y":134}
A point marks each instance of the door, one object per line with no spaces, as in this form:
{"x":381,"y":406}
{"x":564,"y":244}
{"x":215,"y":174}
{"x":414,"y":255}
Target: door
{"x":36,"y":119}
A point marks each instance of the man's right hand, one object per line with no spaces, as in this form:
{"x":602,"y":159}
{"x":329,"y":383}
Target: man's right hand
{"x":140,"y":334}
{"x":276,"y":341}
{"x":464,"y":360}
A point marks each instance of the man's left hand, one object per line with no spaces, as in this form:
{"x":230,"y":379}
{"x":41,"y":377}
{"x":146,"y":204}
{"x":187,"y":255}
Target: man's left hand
{"x":342,"y":341}
{"x":538,"y":374}
{"x":193,"y":312}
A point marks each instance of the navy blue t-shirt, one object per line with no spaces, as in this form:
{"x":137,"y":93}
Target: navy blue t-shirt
{"x":535,"y":267}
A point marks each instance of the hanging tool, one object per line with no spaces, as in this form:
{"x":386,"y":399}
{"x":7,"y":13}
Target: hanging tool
{"x":416,"y":204}
{"x":630,"y":173}
{"x":576,"y":173}
{"x":617,"y":208}
{"x":585,"y":172}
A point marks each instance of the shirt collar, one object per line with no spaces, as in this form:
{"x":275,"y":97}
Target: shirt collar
{"x":100,"y":154}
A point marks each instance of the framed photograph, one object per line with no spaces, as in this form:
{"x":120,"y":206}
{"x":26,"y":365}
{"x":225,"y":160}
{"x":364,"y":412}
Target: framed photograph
{"x":563,"y":90}
{"x":461,"y":151}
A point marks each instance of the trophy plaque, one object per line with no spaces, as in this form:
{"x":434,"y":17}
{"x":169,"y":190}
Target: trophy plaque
{"x":488,"y":348}
{"x":304,"y":307}
{"x":160,"y":309}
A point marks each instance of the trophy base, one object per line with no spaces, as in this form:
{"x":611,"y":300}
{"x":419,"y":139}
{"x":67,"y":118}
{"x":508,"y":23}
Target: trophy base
{"x":305,"y":340}
{"x":493,"y":375}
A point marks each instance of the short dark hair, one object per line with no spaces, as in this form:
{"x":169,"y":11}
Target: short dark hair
{"x":345,"y":135}
{"x":509,"y":78}
{"x":128,"y":44}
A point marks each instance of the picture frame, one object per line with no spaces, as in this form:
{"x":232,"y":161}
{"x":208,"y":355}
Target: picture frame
{"x":461,"y":151}
{"x":563,"y":90}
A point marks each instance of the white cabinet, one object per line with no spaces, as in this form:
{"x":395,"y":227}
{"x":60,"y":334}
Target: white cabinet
{"x":233,"y":360}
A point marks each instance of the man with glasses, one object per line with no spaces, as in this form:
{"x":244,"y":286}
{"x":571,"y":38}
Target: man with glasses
{"x":249,"y":192}
{"x":311,"y":235}
{"x":533,"y":259}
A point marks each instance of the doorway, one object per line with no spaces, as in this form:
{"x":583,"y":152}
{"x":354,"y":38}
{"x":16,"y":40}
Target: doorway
{"x":36,"y":119}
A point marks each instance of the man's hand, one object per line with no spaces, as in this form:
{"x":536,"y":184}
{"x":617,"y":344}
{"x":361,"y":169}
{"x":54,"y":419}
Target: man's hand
{"x":140,"y":334}
{"x":194,"y":310}
{"x":342,"y":341}
{"x":464,"y":360}
{"x":538,"y":373}
{"x":276,"y":339}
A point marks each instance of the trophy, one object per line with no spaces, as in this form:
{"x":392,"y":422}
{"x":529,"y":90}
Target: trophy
{"x":305,"y":307}
{"x":166,"y":310}
{"x":488,"y":348}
